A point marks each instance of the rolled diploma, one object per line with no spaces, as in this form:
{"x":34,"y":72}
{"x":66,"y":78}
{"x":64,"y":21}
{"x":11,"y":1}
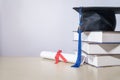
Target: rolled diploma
{"x":51,"y":55}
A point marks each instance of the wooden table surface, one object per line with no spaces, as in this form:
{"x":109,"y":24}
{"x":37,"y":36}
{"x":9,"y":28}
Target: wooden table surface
{"x":36,"y":68}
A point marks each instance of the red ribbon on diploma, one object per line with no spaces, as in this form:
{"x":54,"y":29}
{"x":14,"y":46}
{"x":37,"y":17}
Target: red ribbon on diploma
{"x":59,"y":55}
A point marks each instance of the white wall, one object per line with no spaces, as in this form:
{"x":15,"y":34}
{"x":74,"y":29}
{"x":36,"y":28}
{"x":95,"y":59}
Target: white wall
{"x":100,"y":3}
{"x":0,"y":29}
{"x":30,"y":26}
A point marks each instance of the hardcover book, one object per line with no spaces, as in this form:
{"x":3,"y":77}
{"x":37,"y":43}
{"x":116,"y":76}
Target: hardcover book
{"x":99,"y":36}
{"x":101,"y":48}
{"x":102,"y":60}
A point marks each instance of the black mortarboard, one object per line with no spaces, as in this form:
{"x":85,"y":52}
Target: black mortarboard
{"x":97,"y":18}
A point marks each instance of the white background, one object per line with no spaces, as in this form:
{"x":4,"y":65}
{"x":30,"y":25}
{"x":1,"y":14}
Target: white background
{"x":28,"y":27}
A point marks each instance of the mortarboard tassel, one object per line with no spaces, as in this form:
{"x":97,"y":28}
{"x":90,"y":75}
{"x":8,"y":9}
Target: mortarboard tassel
{"x":78,"y":61}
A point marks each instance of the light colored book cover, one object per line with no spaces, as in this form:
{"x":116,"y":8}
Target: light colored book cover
{"x":100,"y":48}
{"x":102,"y":60}
{"x":99,"y":36}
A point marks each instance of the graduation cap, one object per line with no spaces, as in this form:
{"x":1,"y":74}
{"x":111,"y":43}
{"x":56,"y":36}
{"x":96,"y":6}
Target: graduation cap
{"x":97,"y":18}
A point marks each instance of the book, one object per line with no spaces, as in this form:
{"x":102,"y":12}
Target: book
{"x":102,"y":60}
{"x":99,"y":36}
{"x":100,"y":48}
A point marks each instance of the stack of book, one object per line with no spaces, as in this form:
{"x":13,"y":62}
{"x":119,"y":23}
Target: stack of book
{"x":101,"y":48}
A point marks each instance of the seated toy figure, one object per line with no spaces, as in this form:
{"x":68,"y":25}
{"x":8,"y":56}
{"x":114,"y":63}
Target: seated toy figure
{"x":97,"y":18}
